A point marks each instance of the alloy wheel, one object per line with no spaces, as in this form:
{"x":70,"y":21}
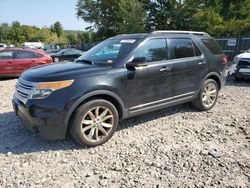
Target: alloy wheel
{"x":97,"y":123}
{"x":209,"y":95}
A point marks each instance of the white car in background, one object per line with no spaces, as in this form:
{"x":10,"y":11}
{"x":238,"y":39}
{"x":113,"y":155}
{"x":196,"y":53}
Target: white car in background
{"x":2,"y":46}
{"x":36,"y":45}
{"x":241,"y":66}
{"x":245,"y":55}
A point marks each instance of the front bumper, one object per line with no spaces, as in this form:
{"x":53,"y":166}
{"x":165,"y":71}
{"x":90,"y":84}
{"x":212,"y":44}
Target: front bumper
{"x":48,"y":122}
{"x":242,"y":74}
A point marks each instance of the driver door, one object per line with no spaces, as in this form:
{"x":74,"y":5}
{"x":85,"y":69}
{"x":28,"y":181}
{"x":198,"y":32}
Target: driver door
{"x":151,"y":83}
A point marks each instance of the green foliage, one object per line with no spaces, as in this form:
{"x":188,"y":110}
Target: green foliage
{"x":208,"y":20}
{"x":79,"y":37}
{"x":111,"y":17}
{"x":17,"y":34}
{"x":130,"y":16}
{"x":57,"y":28}
{"x":217,"y":17}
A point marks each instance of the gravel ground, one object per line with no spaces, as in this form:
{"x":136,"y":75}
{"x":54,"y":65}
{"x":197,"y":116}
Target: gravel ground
{"x":176,"y":147}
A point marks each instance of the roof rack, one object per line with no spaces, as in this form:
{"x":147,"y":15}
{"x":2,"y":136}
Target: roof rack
{"x":180,"y":32}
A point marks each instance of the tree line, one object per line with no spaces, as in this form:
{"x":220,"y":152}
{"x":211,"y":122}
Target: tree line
{"x":217,"y":17}
{"x":17,"y":34}
{"x":111,"y":17}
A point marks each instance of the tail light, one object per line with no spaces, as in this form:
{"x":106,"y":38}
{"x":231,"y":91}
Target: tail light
{"x":225,"y":60}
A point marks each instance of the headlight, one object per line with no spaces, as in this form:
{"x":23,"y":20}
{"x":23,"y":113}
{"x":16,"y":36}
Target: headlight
{"x":44,"y":89}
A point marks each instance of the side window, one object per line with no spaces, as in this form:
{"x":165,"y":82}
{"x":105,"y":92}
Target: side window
{"x":152,"y":50}
{"x":181,"y":48}
{"x":39,"y":55}
{"x":24,"y":55}
{"x":197,"y":51}
{"x":68,"y":52}
{"x":6,"y":55}
{"x":76,"y":52}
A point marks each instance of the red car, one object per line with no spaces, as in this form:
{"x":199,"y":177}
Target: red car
{"x":14,"y":61}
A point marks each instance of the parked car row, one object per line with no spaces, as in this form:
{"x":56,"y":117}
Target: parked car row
{"x":52,"y":48}
{"x":3,"y":46}
{"x":13,"y":61}
{"x":69,"y":54}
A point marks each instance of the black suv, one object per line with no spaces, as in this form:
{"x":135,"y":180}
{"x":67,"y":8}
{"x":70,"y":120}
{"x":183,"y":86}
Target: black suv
{"x":121,"y":77}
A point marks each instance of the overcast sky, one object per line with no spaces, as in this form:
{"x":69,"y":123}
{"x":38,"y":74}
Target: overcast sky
{"x":41,"y":13}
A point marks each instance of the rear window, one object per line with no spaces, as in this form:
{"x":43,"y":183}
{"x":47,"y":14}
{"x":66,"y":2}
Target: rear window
{"x":39,"y":55}
{"x":212,"y":45}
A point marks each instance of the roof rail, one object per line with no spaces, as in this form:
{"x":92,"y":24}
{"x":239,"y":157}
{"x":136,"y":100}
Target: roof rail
{"x":180,"y":32}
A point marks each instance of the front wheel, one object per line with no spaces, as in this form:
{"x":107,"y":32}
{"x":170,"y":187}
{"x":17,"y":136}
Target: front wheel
{"x":56,"y":59}
{"x":208,"y":95}
{"x":94,"y":123}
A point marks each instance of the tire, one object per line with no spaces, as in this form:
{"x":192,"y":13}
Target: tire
{"x":207,"y":96}
{"x":56,"y":59}
{"x":94,"y":123}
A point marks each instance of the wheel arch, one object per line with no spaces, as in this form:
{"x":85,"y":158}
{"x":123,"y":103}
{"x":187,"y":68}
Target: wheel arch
{"x":216,"y":77}
{"x":102,"y":94}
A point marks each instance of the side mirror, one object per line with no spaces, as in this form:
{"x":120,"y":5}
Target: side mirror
{"x":137,"y":62}
{"x":77,"y":61}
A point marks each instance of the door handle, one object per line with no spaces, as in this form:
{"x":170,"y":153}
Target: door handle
{"x":202,"y":62}
{"x":9,"y":62}
{"x":165,"y":69}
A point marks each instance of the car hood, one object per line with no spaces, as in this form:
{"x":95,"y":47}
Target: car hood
{"x":244,"y":55}
{"x":62,"y":71}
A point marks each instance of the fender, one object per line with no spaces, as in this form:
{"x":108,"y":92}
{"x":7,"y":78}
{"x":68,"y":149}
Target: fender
{"x":92,"y":94}
{"x":215,"y":74}
{"x":219,"y":77}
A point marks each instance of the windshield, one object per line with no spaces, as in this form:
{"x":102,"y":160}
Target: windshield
{"x":107,"y":52}
{"x":62,"y":51}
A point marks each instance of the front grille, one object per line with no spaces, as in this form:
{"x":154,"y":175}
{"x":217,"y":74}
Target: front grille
{"x":23,"y":90}
{"x":243,"y":63}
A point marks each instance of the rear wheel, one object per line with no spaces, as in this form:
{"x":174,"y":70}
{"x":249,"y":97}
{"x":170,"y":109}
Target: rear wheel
{"x":94,"y":123}
{"x":208,"y":95}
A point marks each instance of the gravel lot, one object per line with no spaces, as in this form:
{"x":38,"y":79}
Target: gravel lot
{"x":176,"y":147}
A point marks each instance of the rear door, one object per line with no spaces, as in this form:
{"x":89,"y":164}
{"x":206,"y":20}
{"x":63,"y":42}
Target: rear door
{"x":188,"y":66}
{"x":6,"y":63}
{"x":24,"y":60}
